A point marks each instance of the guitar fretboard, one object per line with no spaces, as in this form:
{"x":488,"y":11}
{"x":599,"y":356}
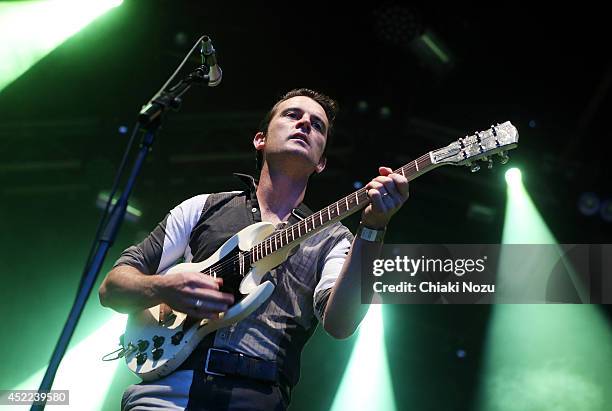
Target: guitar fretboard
{"x":333,"y":212}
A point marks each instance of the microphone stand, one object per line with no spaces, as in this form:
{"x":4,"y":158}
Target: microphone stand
{"x":149,"y":120}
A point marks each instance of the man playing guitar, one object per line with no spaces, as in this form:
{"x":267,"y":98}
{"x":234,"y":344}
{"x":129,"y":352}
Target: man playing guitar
{"x":254,"y":363}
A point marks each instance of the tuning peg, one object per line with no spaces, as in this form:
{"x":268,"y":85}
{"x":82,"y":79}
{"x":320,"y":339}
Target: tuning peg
{"x":490,"y":163}
{"x":503,"y":156}
{"x":474,"y":168}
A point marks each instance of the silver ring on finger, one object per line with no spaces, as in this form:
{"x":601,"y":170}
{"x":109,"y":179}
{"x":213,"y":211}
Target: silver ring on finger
{"x":388,"y":200}
{"x":387,"y":196}
{"x":198,"y":304}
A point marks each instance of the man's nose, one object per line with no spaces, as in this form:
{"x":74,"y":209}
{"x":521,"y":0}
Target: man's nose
{"x":304,"y":123}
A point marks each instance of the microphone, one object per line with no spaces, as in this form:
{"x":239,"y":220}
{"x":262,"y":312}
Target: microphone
{"x":209,"y":57}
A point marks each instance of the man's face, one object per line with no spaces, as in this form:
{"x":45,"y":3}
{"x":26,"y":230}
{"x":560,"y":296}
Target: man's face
{"x":298,"y":130}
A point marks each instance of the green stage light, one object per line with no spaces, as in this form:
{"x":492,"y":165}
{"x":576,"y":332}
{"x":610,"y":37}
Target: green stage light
{"x":523,"y":223}
{"x":32,"y":29}
{"x":545,"y":357}
{"x":132,"y":213}
{"x":82,"y":371}
{"x":523,"y":272}
{"x":366,"y":383}
{"x":513,"y":176}
{"x":550,"y":357}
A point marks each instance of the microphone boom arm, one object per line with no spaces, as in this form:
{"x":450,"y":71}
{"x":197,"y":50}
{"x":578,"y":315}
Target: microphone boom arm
{"x":151,"y":112}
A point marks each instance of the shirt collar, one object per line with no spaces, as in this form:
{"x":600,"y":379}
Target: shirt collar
{"x":299,"y":213}
{"x":247,"y":180}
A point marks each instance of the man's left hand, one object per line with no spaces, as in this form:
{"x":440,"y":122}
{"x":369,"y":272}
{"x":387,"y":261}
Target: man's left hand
{"x":387,"y":193}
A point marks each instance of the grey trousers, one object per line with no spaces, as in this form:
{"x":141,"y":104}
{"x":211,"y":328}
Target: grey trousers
{"x":189,"y":390}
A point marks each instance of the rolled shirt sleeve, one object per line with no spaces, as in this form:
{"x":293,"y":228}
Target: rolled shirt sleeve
{"x":332,"y":266}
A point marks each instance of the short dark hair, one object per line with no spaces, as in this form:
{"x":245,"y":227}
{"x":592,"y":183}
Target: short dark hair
{"x":330,"y":106}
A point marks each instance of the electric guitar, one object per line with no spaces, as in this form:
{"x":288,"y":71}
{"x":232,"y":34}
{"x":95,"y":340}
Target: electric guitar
{"x":157,"y":340}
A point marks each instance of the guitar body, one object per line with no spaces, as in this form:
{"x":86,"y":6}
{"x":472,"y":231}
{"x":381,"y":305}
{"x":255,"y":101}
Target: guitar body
{"x":156,"y":341}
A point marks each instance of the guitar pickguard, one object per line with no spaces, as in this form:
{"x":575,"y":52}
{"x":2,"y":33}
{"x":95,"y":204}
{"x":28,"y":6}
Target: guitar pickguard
{"x":231,"y":271}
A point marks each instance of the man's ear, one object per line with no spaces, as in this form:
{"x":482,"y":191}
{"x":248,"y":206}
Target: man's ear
{"x":259,"y":141}
{"x":321,"y":166}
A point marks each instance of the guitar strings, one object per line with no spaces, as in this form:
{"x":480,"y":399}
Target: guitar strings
{"x":417,"y":165}
{"x":220,"y":267}
{"x":231,"y":263}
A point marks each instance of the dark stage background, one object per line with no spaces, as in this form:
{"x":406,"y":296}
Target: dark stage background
{"x":547,"y":71}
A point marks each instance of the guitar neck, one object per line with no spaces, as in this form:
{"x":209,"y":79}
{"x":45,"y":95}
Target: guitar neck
{"x":291,"y":236}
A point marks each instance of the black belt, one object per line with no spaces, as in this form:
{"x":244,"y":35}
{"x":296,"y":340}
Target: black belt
{"x":226,"y":363}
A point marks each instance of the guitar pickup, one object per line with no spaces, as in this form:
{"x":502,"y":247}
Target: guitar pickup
{"x":166,"y":315}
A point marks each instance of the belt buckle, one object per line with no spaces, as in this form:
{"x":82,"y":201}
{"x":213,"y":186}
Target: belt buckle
{"x":208,"y":359}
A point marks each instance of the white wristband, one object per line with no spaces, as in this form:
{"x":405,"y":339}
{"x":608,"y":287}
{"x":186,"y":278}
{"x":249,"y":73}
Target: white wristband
{"x":369,"y":234}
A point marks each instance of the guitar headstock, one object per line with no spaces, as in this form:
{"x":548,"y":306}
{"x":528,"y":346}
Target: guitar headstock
{"x":482,"y":145}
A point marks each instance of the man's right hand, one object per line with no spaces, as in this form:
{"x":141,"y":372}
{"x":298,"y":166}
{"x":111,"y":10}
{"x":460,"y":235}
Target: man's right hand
{"x":194,"y":294}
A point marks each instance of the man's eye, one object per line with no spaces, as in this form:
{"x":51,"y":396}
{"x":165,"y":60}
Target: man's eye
{"x":318,"y":126}
{"x":291,"y":114}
